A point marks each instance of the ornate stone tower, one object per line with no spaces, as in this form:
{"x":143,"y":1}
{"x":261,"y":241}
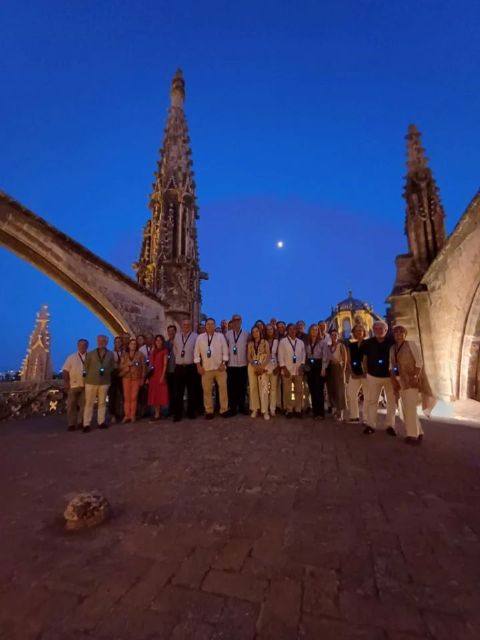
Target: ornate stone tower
{"x":425,"y":218}
{"x":169,"y":262}
{"x":37,"y":365}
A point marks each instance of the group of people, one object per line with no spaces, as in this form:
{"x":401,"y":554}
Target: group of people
{"x":279,"y":367}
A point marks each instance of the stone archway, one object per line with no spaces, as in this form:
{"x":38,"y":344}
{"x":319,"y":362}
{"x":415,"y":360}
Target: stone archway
{"x":117,"y":300}
{"x":469,"y":378}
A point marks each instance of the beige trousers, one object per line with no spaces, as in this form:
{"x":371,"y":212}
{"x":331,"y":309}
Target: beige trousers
{"x":293,"y":384}
{"x":353,"y":389}
{"x":208,"y":378}
{"x":95,"y":392}
{"x":272,"y":387}
{"x":408,"y":405}
{"x":373,"y":389}
{"x":258,"y":390}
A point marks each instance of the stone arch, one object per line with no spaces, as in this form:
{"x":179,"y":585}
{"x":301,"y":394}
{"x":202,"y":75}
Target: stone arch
{"x":469,"y":374}
{"x":117,"y":300}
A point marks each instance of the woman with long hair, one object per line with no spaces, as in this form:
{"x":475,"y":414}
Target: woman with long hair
{"x":313,"y":367}
{"x":158,"y":386}
{"x":334,"y":364}
{"x":272,"y":368}
{"x":132,"y":371}
{"x":261,"y":326}
{"x":258,"y":355}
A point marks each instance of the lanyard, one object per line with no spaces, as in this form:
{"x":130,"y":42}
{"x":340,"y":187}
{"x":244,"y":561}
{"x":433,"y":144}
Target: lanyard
{"x":312,"y":347}
{"x":184,"y":342}
{"x":270,"y":345}
{"x":82,"y":360}
{"x":256,"y":347}
{"x":292,"y":344}
{"x":235,"y":338}
{"x":101,"y":359}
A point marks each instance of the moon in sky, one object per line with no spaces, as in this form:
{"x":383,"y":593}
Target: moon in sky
{"x":280,"y":244}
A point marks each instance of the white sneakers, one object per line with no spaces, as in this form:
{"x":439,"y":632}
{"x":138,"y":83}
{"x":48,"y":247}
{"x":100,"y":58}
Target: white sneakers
{"x":253,"y":414}
{"x":266,"y":416}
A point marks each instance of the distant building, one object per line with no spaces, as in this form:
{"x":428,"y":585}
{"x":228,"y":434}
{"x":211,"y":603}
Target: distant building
{"x":37,"y":365}
{"x":349,"y":312}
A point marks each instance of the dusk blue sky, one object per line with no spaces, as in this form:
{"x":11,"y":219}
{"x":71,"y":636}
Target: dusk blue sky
{"x":297,"y":113}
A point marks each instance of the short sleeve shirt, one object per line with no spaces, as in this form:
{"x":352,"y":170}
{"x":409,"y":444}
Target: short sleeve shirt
{"x":378,"y":356}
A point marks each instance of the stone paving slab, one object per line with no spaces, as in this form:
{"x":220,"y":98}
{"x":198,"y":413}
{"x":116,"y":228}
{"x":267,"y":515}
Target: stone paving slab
{"x":241,"y":530}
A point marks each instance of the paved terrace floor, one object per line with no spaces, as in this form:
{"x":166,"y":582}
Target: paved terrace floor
{"x":240,"y":530}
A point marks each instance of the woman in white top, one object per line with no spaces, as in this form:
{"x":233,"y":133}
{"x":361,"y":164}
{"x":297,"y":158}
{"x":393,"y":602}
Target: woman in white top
{"x":272,"y":368}
{"x":334,"y":363}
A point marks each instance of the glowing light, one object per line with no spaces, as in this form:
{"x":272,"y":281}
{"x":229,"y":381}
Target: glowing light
{"x":280,"y":244}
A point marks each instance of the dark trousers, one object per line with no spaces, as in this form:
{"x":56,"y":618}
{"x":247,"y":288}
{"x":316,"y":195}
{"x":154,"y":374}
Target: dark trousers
{"x":316,"y":385}
{"x":171,"y":391}
{"x":237,"y":378}
{"x":142,"y":402}
{"x":115,"y":397}
{"x":185,"y":377}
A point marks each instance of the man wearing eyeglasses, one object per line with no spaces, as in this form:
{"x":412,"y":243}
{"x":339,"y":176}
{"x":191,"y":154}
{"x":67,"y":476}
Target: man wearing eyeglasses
{"x":211,"y":357}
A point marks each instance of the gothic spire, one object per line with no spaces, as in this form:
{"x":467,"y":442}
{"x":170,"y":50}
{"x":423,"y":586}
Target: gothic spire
{"x":169,"y":264}
{"x":424,"y":225}
{"x":175,"y":164}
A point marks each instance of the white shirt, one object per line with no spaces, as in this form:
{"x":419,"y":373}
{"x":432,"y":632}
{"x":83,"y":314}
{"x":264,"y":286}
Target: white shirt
{"x":147,"y":351}
{"x":289,"y":348}
{"x":186,"y":345}
{"x":238,"y":356}
{"x":218,"y":351}
{"x":74,"y":364}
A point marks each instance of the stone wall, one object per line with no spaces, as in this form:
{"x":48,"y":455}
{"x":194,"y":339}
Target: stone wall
{"x":443,"y":314}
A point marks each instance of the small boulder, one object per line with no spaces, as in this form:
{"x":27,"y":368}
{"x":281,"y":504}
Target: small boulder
{"x":86,"y":510}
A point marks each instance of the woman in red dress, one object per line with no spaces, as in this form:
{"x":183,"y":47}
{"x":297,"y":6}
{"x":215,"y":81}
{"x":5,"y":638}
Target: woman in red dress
{"x":157,"y":386}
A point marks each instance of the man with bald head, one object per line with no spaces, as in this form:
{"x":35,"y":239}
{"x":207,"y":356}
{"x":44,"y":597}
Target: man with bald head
{"x":99,"y":365}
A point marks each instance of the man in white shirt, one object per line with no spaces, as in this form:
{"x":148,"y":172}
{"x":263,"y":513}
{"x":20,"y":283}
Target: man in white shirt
{"x":211,"y":357}
{"x":291,"y":358}
{"x":74,"y":384}
{"x":185,"y":373}
{"x":237,"y":372}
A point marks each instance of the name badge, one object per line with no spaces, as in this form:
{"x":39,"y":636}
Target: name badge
{"x":84,"y":373}
{"x":209,"y":353}
{"x":380,"y":362}
{"x":182,"y":355}
{"x":354,"y":363}
{"x":396,"y":371}
{"x":235,"y":350}
{"x":294,"y":358}
{"x":312,"y":360}
{"x":101,"y":371}
{"x":255,"y":362}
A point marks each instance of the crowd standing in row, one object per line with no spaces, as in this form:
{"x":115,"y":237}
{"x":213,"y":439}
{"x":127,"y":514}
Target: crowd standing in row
{"x":280,"y":368}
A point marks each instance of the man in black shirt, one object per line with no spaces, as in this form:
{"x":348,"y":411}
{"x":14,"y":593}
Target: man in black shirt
{"x":355,"y":374}
{"x":376,"y":364}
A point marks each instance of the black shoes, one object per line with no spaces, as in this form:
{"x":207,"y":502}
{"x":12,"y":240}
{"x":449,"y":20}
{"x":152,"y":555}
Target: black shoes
{"x":368,"y":430}
{"x":103,"y":425}
{"x":176,"y":418}
{"x":391,"y":432}
{"x":414,"y":441}
{"x":209,"y":416}
{"x":71,"y":427}
{"x":298,"y":414}
{"x":225,"y":414}
{"x":85,"y":429}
